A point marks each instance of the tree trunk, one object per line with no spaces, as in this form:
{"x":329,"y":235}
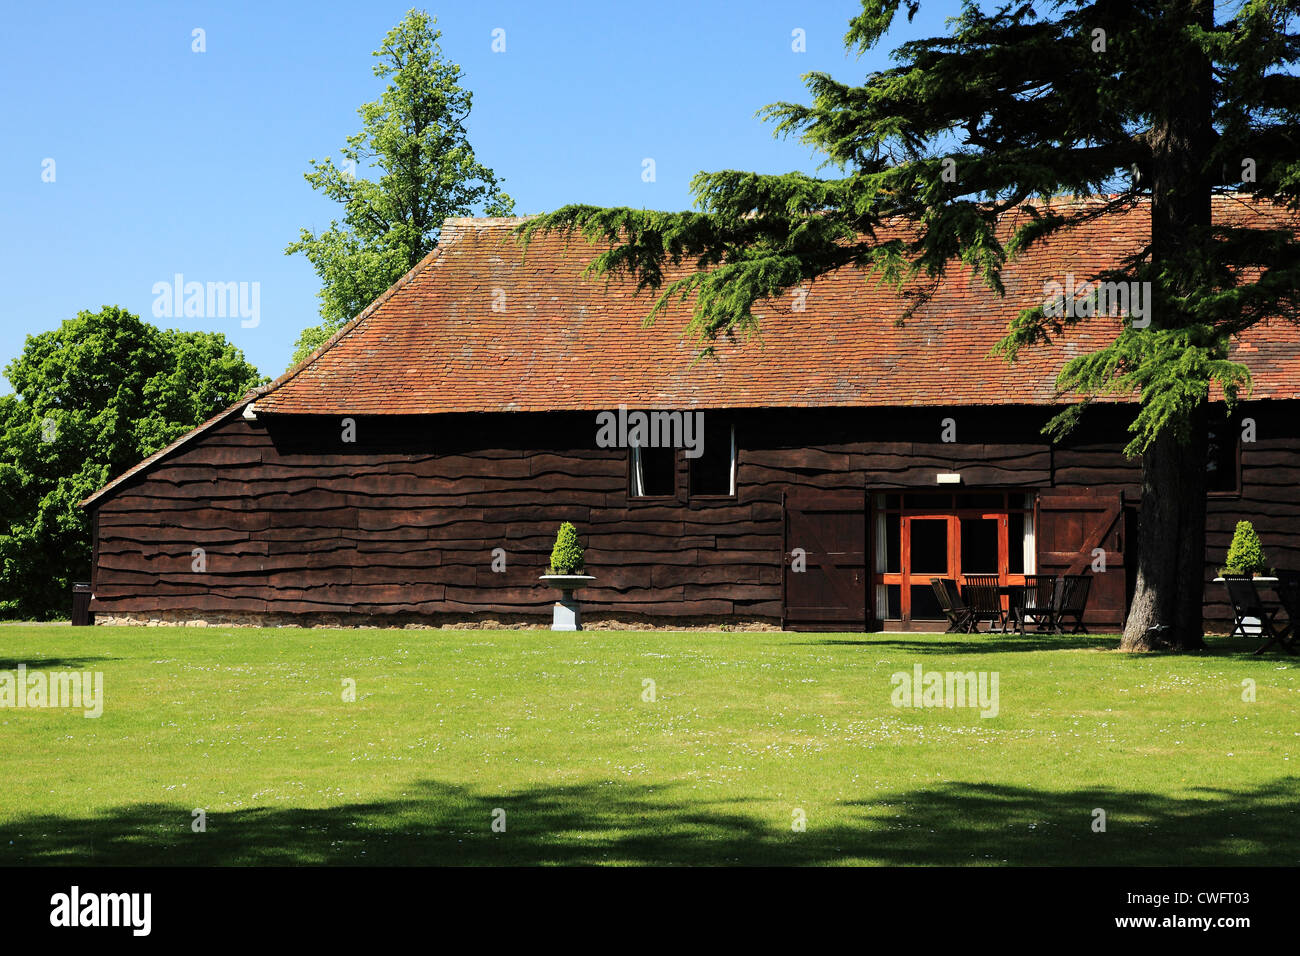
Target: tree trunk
{"x":1171,"y":543}
{"x":1171,"y":523}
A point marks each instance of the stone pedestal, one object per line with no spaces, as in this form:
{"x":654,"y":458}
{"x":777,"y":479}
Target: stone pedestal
{"x":567,"y":612}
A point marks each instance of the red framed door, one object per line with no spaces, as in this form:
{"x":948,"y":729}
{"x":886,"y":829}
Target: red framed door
{"x":933,"y":541}
{"x":928,"y":552}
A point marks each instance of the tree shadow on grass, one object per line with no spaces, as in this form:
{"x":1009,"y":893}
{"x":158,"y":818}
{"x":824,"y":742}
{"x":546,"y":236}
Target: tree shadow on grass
{"x":980,"y":643}
{"x":1217,"y":645}
{"x":1243,"y":648}
{"x":952,"y":824}
{"x":52,"y":663}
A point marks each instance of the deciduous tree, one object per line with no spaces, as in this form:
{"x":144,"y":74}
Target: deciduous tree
{"x":91,"y":399}
{"x":414,"y":137}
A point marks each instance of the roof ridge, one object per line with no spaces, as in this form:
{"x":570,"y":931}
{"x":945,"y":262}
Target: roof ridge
{"x":489,"y":220}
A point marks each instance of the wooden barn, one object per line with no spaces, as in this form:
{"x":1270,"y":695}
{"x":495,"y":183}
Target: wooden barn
{"x":416,"y":467}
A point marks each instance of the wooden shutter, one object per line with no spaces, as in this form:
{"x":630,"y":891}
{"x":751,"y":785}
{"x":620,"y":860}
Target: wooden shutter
{"x":1068,"y":527}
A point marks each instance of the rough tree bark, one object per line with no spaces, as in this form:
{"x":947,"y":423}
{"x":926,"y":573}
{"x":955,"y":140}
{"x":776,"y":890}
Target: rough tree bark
{"x":1171,"y":523}
{"x":1171,"y":542}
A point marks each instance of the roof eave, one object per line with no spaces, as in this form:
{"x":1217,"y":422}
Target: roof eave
{"x":263,"y":390}
{"x":248,"y":397}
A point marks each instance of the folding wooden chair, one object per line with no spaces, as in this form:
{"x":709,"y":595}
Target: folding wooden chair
{"x":1071,"y":600}
{"x":985,"y":601}
{"x":954,"y":608}
{"x":1246,"y":603}
{"x":1035,"y":606}
{"x":1288,"y":595}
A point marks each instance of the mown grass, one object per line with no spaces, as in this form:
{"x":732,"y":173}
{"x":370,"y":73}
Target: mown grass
{"x":744,"y":730}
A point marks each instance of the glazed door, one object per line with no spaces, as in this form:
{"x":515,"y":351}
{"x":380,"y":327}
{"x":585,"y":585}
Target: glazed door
{"x":924,"y":535}
{"x":928,"y":552}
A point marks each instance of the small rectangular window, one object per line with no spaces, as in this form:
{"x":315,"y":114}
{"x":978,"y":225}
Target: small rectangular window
{"x":714,"y":471}
{"x":1222,"y":465}
{"x":654,"y":472}
{"x":925,"y":501}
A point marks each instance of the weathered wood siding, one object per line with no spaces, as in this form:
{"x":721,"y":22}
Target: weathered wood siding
{"x":292,"y":520}
{"x":1270,"y":499}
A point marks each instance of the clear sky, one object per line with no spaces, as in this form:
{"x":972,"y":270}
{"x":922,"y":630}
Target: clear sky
{"x":169,"y":161}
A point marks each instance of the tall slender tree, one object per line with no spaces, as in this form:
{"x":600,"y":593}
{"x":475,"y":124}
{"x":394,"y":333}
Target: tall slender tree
{"x":415,"y":136}
{"x":1123,"y":101}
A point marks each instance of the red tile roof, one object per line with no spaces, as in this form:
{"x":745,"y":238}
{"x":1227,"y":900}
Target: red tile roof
{"x":557,"y":341}
{"x":481,"y":326}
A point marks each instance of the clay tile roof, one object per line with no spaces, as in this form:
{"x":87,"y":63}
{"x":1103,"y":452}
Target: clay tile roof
{"x":480,"y":325}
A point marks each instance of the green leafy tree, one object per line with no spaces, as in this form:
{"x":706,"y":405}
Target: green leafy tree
{"x":1246,"y":553}
{"x":414,"y":135}
{"x":92,"y":398}
{"x":566,"y":556}
{"x":967,"y":137}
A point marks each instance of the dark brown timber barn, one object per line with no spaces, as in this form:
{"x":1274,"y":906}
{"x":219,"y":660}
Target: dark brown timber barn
{"x":417,"y":466}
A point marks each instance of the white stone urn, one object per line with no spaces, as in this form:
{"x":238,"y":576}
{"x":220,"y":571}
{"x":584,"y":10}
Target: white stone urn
{"x":567,"y":614}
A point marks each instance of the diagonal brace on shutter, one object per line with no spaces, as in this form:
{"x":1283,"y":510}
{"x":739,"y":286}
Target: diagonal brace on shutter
{"x":1095,"y":536}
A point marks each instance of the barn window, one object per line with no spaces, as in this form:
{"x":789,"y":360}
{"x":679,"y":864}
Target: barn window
{"x":1222,"y":458}
{"x":713,"y":473}
{"x":654,"y":472}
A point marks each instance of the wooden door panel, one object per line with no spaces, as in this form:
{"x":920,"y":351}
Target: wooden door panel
{"x":831,"y":529}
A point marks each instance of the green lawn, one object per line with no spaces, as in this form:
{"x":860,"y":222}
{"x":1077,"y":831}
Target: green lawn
{"x":447,"y":727}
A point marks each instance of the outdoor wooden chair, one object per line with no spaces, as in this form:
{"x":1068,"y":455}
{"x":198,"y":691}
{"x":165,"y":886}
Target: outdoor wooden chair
{"x":1071,"y":600}
{"x":1288,"y":595}
{"x":1035,"y":605}
{"x":1246,"y":603}
{"x":1238,"y":628}
{"x":954,"y":608}
{"x":985,"y":601}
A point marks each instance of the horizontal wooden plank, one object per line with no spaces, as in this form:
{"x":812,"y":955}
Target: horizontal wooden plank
{"x":409,"y":518}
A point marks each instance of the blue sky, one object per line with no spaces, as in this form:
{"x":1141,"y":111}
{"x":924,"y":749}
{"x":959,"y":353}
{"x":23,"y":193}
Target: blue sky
{"x":169,"y":161}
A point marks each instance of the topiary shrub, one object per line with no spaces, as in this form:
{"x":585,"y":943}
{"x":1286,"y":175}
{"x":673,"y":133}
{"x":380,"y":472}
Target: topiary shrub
{"x":1245,"y":554}
{"x":566,"y":556}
